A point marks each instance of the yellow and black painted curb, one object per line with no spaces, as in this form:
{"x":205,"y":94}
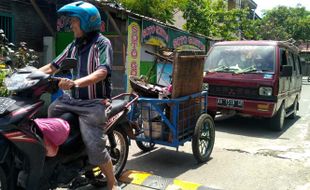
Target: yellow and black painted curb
{"x":156,"y":182}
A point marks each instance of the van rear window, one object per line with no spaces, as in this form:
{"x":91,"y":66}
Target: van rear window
{"x":241,"y":59}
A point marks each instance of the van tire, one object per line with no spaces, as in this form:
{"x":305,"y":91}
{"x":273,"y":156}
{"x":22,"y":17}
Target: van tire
{"x":294,"y":106}
{"x":277,"y":121}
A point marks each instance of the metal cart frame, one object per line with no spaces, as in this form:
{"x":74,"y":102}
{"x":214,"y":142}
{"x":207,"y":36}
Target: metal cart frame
{"x":177,"y":121}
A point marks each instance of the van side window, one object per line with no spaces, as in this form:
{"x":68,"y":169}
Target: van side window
{"x":298,"y":65}
{"x":283,"y":58}
{"x":291,"y":61}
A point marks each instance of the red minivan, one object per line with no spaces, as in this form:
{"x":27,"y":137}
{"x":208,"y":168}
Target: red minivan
{"x":254,"y":78}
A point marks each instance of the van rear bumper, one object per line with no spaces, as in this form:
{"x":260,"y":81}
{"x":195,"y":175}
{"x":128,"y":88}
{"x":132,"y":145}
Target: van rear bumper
{"x":250,"y":107}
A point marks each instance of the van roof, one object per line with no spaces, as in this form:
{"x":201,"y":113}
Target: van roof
{"x":259,"y":42}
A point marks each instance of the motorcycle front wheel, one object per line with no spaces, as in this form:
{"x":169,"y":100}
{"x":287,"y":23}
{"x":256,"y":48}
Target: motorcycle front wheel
{"x":119,"y":158}
{"x":120,"y":154}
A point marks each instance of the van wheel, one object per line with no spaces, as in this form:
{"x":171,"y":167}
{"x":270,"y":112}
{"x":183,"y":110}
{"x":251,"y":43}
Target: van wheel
{"x":277,"y":121}
{"x":294,"y":114}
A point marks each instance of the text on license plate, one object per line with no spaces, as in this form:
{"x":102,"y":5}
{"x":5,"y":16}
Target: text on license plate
{"x":230,"y":103}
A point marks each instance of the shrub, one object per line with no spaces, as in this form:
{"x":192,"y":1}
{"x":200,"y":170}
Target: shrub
{"x":3,"y":90}
{"x":15,"y":57}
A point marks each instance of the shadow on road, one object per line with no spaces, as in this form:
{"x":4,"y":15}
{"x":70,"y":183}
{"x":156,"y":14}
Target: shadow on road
{"x":158,"y":160}
{"x":252,"y":127}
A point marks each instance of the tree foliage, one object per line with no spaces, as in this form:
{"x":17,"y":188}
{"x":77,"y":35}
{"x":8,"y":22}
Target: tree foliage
{"x":212,"y":18}
{"x":162,"y":10}
{"x":282,"y":23}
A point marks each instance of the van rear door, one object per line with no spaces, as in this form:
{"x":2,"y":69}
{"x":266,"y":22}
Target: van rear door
{"x":284,"y":81}
{"x":291,"y":93}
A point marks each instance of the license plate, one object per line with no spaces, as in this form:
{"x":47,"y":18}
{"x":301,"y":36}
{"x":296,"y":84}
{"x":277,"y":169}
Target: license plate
{"x":231,"y":103}
{"x":5,"y":103}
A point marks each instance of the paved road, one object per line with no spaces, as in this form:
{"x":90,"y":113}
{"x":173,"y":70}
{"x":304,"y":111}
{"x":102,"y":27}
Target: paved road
{"x":246,"y":156}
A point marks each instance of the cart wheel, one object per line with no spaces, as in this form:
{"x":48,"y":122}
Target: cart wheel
{"x":145,"y":146}
{"x":203,"y":138}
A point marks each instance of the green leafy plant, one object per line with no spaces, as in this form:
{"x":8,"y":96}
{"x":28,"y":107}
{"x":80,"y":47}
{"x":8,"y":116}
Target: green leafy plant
{"x":12,"y":57}
{"x":20,"y":56}
{"x":159,"y":9}
{"x":3,"y":90}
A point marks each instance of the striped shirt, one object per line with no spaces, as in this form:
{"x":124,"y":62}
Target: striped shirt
{"x":95,"y":54}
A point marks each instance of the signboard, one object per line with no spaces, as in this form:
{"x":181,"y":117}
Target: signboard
{"x":133,"y":50}
{"x":184,"y":41}
{"x":164,"y":36}
{"x":154,"y":34}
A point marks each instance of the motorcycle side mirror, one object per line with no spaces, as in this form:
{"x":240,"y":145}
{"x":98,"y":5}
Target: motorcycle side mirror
{"x":68,"y":63}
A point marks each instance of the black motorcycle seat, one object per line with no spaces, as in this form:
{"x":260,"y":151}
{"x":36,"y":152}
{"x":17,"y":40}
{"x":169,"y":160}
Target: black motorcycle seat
{"x":115,"y":107}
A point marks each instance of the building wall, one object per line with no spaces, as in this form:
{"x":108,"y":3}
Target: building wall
{"x":119,"y":57}
{"x":27,"y":25}
{"x":237,"y":4}
{"x":147,"y":62}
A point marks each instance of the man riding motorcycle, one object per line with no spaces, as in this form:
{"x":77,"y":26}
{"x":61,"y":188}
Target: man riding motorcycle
{"x":91,"y":81}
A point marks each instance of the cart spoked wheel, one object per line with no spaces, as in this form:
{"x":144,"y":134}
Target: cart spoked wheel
{"x":203,"y":138}
{"x":145,"y":146}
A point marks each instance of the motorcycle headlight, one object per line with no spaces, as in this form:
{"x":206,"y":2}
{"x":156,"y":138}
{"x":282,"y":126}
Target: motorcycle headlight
{"x":265,"y":91}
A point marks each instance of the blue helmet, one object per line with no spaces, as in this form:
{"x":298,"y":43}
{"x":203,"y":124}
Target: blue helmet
{"x":88,"y":14}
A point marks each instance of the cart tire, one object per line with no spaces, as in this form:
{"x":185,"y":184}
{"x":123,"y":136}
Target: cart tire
{"x":203,"y":138}
{"x":145,"y":146}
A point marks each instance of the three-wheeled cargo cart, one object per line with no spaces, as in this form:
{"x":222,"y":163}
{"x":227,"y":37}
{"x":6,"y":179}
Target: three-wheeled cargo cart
{"x":180,"y":117}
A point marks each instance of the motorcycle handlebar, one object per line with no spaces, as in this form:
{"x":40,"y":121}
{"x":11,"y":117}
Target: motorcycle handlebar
{"x":57,"y":79}
{"x":134,"y":99}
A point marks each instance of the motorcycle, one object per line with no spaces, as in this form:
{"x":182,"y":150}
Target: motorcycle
{"x":23,"y":160}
